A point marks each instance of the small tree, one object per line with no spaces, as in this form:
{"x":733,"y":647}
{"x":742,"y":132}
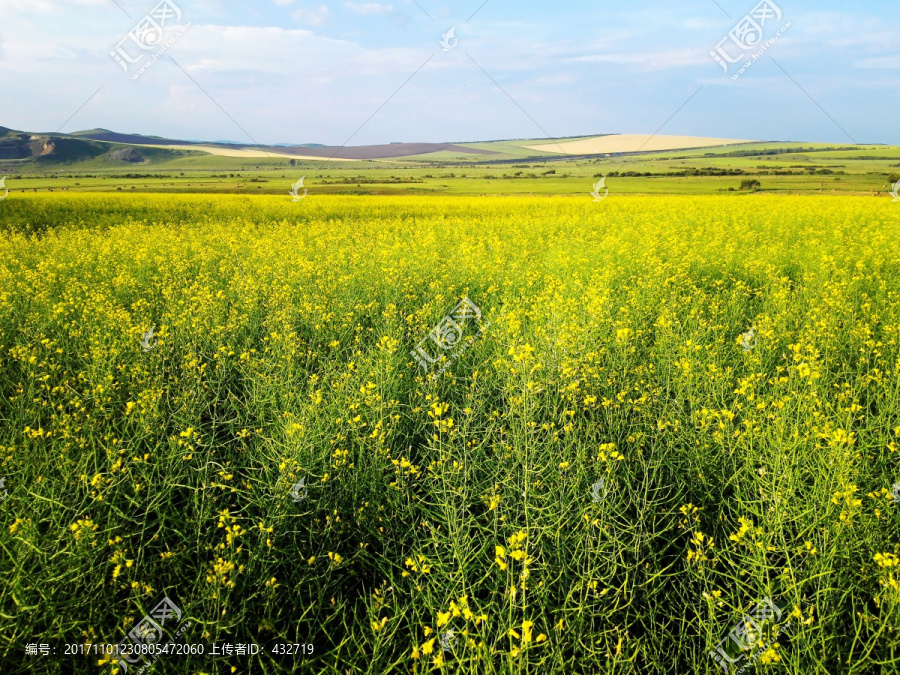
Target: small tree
{"x":754,"y":185}
{"x":894,"y":178}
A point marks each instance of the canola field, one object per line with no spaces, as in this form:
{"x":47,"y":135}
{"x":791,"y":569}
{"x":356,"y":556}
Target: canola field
{"x":664,"y":437}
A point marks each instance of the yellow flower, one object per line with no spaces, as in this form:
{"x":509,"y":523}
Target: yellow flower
{"x":517,"y":539}
{"x":82,"y":527}
{"x":526,"y":631}
{"x":420,"y":565}
{"x":500,"y":559}
{"x":771,"y":655}
{"x":886,"y":560}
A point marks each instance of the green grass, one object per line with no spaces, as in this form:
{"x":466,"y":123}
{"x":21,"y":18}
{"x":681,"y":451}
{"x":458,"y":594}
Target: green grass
{"x":797,"y":170}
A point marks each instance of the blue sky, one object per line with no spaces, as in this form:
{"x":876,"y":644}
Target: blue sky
{"x":303,"y":71}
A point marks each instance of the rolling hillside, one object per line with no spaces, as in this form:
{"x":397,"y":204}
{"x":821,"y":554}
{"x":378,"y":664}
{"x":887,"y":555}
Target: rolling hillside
{"x":103,"y":147}
{"x":20,"y":148}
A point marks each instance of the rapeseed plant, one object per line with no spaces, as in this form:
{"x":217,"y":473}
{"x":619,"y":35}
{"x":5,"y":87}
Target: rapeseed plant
{"x":730,"y":473}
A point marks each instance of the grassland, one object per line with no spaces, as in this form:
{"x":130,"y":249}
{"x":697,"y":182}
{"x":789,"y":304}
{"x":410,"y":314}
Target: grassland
{"x":781,"y":168}
{"x":469,"y":502}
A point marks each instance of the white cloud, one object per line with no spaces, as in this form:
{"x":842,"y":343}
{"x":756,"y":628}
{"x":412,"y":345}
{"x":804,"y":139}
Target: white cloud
{"x":879,"y":62}
{"x":46,"y":6}
{"x":314,"y":71}
{"x":370,"y":8}
{"x":313,"y":16}
{"x":661,"y":60}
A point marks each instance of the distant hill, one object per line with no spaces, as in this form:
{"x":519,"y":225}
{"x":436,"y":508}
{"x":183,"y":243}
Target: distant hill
{"x":130,"y":139}
{"x":19,"y":145}
{"x":101,"y":148}
{"x":389,"y":151}
{"x":46,"y":149}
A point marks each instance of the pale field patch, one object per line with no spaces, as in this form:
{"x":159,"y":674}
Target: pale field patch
{"x":632,"y":143}
{"x":244,"y":153}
